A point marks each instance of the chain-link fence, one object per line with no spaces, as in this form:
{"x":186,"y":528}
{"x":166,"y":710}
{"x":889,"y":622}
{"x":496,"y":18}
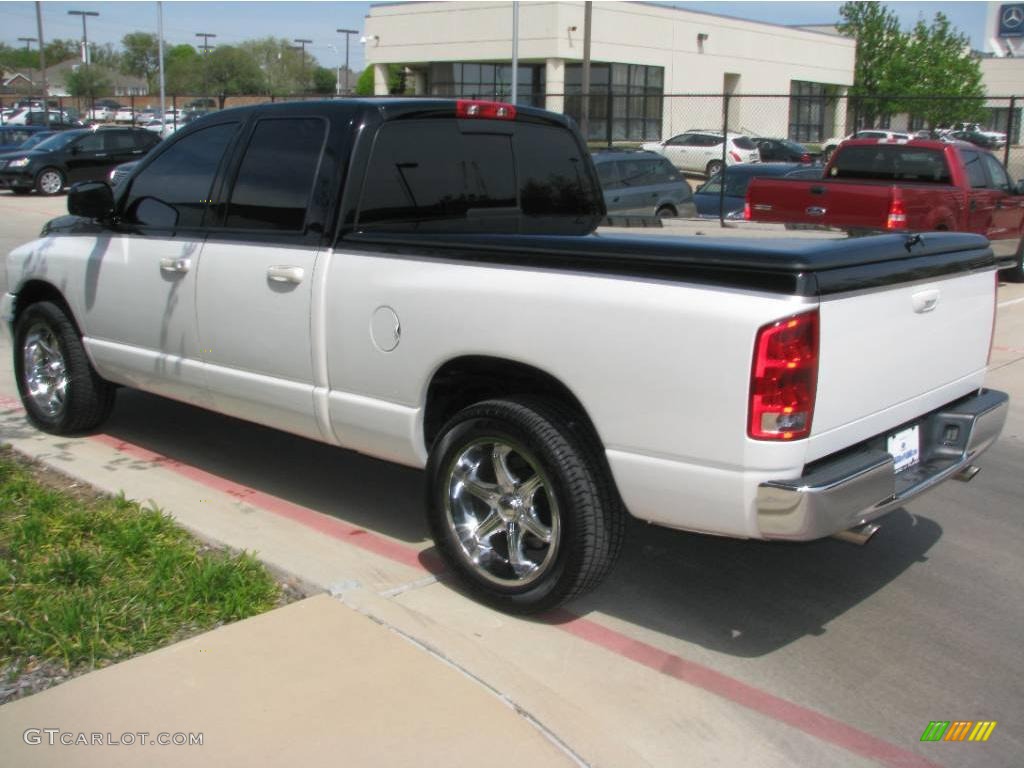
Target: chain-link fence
{"x":819,"y":122}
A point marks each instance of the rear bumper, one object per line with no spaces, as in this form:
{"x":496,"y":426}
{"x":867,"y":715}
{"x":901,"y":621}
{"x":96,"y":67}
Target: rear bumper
{"x":860,"y":485}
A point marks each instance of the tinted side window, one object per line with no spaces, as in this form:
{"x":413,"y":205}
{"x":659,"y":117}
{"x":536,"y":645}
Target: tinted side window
{"x":684,"y":139}
{"x":92,"y":143}
{"x":608,"y":175}
{"x":118,"y":140}
{"x":975,"y":171}
{"x":145,"y":139}
{"x":174,"y":190}
{"x":428,"y":171}
{"x":276,"y":176}
{"x":995,"y":170}
{"x":744,"y":143}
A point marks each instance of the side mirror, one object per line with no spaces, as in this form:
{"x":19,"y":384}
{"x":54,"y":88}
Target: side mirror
{"x":91,"y":199}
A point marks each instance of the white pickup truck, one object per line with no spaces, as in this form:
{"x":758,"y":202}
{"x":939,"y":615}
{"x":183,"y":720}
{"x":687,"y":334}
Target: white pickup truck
{"x":418,"y":280}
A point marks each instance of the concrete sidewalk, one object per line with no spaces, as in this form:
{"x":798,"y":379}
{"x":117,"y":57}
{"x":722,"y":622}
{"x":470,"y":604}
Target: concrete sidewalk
{"x":312,"y":684}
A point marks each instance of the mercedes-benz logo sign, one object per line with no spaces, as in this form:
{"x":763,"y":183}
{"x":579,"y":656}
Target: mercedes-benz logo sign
{"x":1013,"y":17}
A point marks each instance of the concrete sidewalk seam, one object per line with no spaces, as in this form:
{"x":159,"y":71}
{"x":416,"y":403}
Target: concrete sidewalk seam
{"x":544,"y":730}
{"x":410,"y":586}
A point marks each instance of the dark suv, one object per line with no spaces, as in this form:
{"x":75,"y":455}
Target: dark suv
{"x":640,"y":183}
{"x":70,"y":156}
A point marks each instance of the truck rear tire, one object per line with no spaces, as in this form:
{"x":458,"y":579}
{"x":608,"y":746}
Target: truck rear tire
{"x":1015,"y":274}
{"x":521,"y":504}
{"x":59,"y":388}
{"x":713,"y":167}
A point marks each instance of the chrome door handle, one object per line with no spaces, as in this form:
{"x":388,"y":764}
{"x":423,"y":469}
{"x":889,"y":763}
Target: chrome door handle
{"x":283,"y":273}
{"x":175,"y":265}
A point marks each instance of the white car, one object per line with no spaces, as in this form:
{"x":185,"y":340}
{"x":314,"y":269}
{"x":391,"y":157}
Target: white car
{"x":829,"y":145}
{"x":701,"y":151}
{"x":124,"y":115}
{"x":101,"y":114}
{"x":22,"y":117}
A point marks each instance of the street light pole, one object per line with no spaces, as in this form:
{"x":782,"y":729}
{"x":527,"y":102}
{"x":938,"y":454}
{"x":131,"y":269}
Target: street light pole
{"x":347,"y":33}
{"x":42,"y":64}
{"x":205,"y":48}
{"x":302,"y":52}
{"x":85,"y":35}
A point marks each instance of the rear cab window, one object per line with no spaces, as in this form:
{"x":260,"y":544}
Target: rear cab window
{"x":884,"y":162}
{"x":437,"y":175}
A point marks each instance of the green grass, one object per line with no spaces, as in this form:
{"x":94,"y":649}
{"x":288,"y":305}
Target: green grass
{"x":87,"y":583}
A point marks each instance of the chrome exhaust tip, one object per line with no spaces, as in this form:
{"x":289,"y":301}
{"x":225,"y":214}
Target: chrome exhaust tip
{"x":859,"y":535}
{"x":967,"y":474}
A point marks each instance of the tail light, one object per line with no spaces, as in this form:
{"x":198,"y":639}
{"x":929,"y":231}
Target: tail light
{"x":784,"y":379}
{"x":746,"y":211}
{"x":897,"y":218}
{"x":492,"y":110}
{"x":805,"y":158}
{"x":735,"y":157}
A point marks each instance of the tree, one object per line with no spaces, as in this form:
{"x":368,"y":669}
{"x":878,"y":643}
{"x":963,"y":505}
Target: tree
{"x":231,"y":71}
{"x":89,"y":82}
{"x":880,"y":67}
{"x":182,"y":74}
{"x":324,"y":80}
{"x":900,"y":72}
{"x":396,"y":81}
{"x":939,"y":55}
{"x":141,"y":56}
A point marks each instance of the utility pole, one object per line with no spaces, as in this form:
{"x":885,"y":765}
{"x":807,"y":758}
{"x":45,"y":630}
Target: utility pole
{"x":585,"y":80}
{"x":85,"y":35}
{"x":347,"y":33}
{"x":515,"y":51}
{"x":302,"y":52}
{"x":205,"y":48}
{"x":28,"y":47}
{"x":160,"y":54}
{"x":42,"y":63}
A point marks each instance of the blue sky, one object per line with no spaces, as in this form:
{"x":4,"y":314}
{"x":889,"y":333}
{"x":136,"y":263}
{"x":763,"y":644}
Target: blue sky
{"x":237,"y":21}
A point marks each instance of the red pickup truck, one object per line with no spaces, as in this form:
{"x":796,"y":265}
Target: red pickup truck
{"x":917,"y":185}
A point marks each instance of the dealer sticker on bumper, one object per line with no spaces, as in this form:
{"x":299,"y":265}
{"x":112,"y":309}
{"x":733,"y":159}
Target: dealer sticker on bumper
{"x":904,"y":447}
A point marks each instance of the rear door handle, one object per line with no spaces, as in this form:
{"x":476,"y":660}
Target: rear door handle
{"x":175,"y":265}
{"x":283,"y":273}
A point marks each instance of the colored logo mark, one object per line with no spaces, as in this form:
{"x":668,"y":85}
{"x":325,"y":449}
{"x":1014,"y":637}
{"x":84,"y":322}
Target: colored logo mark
{"x":958,"y":730}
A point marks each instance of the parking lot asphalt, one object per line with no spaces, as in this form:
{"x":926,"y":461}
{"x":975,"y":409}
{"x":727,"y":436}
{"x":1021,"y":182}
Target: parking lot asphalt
{"x":697,"y":650}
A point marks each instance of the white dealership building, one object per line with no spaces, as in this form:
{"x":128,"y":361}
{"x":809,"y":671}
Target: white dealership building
{"x":642,"y":54}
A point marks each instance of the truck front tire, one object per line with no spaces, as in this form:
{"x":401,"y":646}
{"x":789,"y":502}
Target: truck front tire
{"x":521,"y":504}
{"x":59,"y":388}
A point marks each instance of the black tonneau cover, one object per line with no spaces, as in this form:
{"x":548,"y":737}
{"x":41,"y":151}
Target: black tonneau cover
{"x":800,"y":267}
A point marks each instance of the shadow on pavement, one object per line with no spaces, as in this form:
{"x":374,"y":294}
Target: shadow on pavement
{"x":749,"y":598}
{"x":743,"y":598}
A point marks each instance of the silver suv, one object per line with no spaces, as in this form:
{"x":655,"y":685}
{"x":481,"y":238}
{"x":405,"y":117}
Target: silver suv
{"x":642,"y":183}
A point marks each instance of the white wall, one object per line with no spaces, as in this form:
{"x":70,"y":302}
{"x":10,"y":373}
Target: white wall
{"x":765,"y":57}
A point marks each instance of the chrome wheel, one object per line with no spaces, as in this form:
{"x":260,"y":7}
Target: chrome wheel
{"x":502,"y":512}
{"x":50,"y":182}
{"x":45,"y":371}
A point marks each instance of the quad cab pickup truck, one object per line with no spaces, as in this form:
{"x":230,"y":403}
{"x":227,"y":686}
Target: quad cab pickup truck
{"x":914,"y":186}
{"x":420,"y":281}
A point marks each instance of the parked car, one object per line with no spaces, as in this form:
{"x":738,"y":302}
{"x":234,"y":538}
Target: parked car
{"x":996,"y":139}
{"x":708,"y":198}
{"x":701,"y":151}
{"x":70,"y":156}
{"x":464,"y":321}
{"x":124,"y":115}
{"x":920,"y":186}
{"x":13,"y":136}
{"x":104,"y":110}
{"x":643,"y":184}
{"x":976,"y":138}
{"x":829,"y":145}
{"x":38,"y":117}
{"x":782,"y":151}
